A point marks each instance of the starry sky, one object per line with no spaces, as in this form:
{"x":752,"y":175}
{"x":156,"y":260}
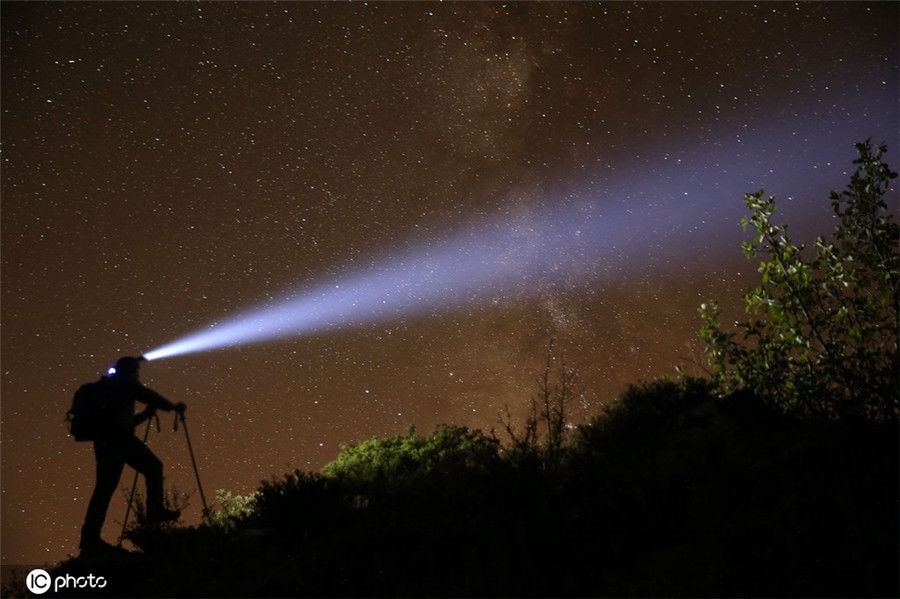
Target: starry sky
{"x":165,"y":166}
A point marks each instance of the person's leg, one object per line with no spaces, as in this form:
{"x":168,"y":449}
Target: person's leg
{"x":138,"y":456}
{"x":109,"y":470}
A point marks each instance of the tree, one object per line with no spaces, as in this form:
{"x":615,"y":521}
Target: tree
{"x":557,"y":388}
{"x":824,"y":328}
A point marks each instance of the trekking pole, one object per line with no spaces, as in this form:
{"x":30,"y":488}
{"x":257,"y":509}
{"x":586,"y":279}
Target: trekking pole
{"x":180,"y":415}
{"x":134,"y":483}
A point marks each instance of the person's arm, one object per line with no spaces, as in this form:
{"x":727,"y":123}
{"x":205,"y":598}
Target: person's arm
{"x":143,"y":416}
{"x":156,"y":401}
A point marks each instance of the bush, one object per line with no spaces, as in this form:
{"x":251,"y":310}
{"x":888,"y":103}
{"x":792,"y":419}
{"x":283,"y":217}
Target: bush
{"x":447,"y":454}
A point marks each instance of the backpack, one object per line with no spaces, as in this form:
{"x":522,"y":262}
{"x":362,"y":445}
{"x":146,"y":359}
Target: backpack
{"x":90,"y":414}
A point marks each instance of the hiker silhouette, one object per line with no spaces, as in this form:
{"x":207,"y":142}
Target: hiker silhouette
{"x":116,"y":445}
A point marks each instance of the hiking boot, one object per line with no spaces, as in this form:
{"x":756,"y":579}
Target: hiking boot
{"x":162,"y":514}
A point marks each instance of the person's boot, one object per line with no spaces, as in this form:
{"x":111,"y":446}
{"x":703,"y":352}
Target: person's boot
{"x":161,"y":514}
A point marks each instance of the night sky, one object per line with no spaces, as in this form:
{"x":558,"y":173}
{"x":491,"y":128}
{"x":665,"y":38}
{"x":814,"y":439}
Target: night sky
{"x":166,"y":166}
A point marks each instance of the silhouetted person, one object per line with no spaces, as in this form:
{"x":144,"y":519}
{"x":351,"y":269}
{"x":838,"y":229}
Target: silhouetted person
{"x":116,"y":445}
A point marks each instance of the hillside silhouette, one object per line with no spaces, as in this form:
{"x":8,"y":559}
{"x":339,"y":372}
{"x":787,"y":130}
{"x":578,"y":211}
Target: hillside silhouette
{"x":670,"y":491}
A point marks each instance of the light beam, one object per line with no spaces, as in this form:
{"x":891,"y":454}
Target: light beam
{"x":661,"y":209}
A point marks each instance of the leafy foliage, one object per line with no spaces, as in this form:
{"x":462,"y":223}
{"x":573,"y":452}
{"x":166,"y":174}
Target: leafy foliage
{"x":231,"y":510}
{"x":824,"y":331}
{"x":411,"y":458}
